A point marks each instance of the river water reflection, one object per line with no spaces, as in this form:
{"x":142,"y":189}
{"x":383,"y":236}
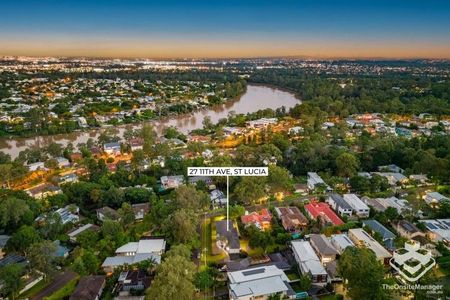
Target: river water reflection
{"x":255,"y":98}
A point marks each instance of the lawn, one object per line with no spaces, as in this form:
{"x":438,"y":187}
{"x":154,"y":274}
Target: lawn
{"x":208,"y":240}
{"x":65,"y":291}
{"x":34,"y":290}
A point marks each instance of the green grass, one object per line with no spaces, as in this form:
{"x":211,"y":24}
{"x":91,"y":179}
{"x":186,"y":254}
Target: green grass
{"x":65,"y":291}
{"x":207,"y":239}
{"x":35,"y":289}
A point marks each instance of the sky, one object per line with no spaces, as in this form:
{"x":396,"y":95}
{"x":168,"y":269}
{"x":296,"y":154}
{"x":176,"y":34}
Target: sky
{"x":226,"y":29}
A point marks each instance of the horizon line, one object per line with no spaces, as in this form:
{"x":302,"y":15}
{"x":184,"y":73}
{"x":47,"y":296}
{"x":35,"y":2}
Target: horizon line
{"x":179,"y":58}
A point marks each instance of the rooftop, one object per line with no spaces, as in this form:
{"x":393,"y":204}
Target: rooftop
{"x":321,"y":209}
{"x":88,"y":287}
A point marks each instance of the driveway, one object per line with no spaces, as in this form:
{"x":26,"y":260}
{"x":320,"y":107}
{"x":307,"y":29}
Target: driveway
{"x":60,"y":280}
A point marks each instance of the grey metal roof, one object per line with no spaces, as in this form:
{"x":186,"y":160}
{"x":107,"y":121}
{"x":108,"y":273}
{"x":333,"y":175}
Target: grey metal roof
{"x":340,"y":202}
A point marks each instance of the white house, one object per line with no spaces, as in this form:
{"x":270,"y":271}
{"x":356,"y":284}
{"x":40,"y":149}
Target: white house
{"x":341,"y":242}
{"x":308,"y":262}
{"x":314,"y":179}
{"x":339,"y":204}
{"x":358,"y":206}
{"x":259,"y":283}
{"x":135,"y":252}
{"x":434,"y":198}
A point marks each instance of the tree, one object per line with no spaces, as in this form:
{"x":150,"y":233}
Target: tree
{"x":207,"y":123}
{"x":12,"y":210}
{"x":23,"y":238}
{"x":181,"y":227}
{"x":88,"y":239}
{"x":42,"y":257}
{"x":360,"y":184}
{"x":250,"y":189}
{"x":54,"y":149}
{"x":279,"y":179}
{"x":206,"y":279}
{"x":126,"y":214}
{"x":305,"y":282}
{"x":6,"y":171}
{"x":52,"y":225}
{"x":236,"y":211}
{"x":347,"y":164}
{"x":363,"y":274}
{"x":188,"y":197}
{"x":86,"y":264}
{"x":11,"y":279}
{"x":174,"y":279}
{"x":113,"y":230}
{"x":258,"y":238}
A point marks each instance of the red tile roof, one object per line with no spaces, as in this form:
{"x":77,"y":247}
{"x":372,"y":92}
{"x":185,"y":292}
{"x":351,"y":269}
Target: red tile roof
{"x":254,"y":217}
{"x":323,"y":210}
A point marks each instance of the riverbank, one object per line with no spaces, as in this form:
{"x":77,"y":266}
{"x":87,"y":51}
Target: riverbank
{"x":255,"y":98}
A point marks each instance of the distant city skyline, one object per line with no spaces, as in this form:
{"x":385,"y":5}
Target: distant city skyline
{"x":227,"y":29}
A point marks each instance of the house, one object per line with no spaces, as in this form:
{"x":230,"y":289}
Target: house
{"x":36,"y":166}
{"x":314,"y":179}
{"x":393,"y":179}
{"x":82,"y":122}
{"x":292,"y":219}
{"x":412,"y":261}
{"x":107,"y":212}
{"x":308,"y":262}
{"x":228,"y":239}
{"x":261,"y":123}
{"x":136,"y":144}
{"x":171,"y":182}
{"x":322,"y":210}
{"x":62,"y":162}
{"x":381,"y":204}
{"x":386,"y":235}
{"x":390,"y":168}
{"x":75,"y":157}
{"x":341,"y":242}
{"x":3,"y":240}
{"x":323,"y":247}
{"x":217,"y":196}
{"x":207,"y":154}
{"x":362,"y":239}
{"x":301,"y":188}
{"x":261,"y":220}
{"x":339,"y":204}
{"x":438,"y":230}
{"x":434,"y":198}
{"x":111,"y":148}
{"x":132,"y":280}
{"x":43,"y":190}
{"x":68,"y":178}
{"x":421,"y":179}
{"x":135,"y":252}
{"x":296,"y":130}
{"x":408,"y":230}
{"x":76,"y":231}
{"x":232,"y":130}
{"x":194,"y":179}
{"x":68,"y":214}
{"x":140,"y":210}
{"x":10,"y":259}
{"x":89,"y":287}
{"x":358,"y":206}
{"x":259,"y":283}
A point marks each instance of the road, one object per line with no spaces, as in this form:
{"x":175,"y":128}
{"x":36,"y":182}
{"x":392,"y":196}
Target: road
{"x":60,"y":280}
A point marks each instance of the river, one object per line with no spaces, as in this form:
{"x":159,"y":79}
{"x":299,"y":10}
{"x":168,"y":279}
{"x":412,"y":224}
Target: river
{"x":255,"y":98}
